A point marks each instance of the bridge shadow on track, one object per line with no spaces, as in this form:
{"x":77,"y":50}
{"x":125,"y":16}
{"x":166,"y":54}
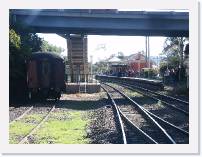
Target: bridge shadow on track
{"x":140,"y":100}
{"x":81,"y":104}
{"x":68,"y":104}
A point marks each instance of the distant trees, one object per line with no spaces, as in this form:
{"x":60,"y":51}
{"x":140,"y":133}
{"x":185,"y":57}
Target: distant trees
{"x":103,"y":65}
{"x":46,"y":47}
{"x":100,"y":67}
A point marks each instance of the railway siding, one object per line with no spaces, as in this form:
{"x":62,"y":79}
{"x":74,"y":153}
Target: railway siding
{"x":76,"y":119}
{"x":63,"y":127}
{"x":21,"y":128}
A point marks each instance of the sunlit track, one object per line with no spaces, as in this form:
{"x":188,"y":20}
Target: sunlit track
{"x":24,"y":140}
{"x":172,"y":107}
{"x":22,"y":115}
{"x":148,"y":125}
{"x":163,"y":96}
{"x":123,"y":128}
{"x":178,"y":133}
{"x":183,"y":108}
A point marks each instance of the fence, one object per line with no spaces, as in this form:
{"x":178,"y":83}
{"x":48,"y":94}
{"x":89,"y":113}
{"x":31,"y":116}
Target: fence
{"x":81,"y":78}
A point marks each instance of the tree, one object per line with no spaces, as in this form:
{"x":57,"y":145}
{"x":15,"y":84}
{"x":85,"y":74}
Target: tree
{"x":46,"y":47}
{"x":173,"y":49}
{"x":21,"y":44}
{"x":120,"y":55}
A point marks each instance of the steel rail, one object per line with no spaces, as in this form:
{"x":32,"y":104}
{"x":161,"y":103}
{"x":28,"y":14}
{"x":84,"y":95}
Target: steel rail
{"x":21,"y":116}
{"x":146,"y":115}
{"x":162,"y":95}
{"x":171,"y":105}
{"x":36,"y":127}
{"x":166,"y":122}
{"x":129,"y":121}
{"x":118,"y":115}
{"x":133,"y":125}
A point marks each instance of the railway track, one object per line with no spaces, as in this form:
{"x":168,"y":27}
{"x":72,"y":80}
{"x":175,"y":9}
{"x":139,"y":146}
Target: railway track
{"x":168,"y":112}
{"x":44,"y":114}
{"x":147,"y":124}
{"x":25,"y":138}
{"x":127,"y":129}
{"x":177,"y":104}
{"x":22,"y":115}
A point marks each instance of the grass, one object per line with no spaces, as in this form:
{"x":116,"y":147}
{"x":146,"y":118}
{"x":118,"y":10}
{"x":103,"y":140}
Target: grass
{"x":127,"y":91}
{"x":61,"y":127}
{"x":139,"y":98}
{"x":19,"y":129}
{"x":64,"y":128}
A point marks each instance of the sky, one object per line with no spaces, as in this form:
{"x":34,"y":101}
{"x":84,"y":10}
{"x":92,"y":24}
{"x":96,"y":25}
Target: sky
{"x":101,"y":47}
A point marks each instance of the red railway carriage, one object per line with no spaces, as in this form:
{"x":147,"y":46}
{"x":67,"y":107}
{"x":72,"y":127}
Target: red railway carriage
{"x":45,"y":75}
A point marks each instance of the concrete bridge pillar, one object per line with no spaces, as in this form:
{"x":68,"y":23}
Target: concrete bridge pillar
{"x":77,"y":57}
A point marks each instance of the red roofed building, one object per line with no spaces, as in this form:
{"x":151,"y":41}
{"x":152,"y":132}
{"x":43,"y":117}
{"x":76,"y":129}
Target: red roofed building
{"x":136,"y":62}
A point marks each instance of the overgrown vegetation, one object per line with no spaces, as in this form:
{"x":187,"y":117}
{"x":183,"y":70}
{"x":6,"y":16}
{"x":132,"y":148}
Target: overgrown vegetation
{"x":148,"y":73}
{"x":21,"y":128}
{"x":63,"y":128}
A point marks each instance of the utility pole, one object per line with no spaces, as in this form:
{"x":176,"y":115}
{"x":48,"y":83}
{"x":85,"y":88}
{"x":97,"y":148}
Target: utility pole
{"x":91,"y":67}
{"x":146,"y":50}
{"x":147,"y":58}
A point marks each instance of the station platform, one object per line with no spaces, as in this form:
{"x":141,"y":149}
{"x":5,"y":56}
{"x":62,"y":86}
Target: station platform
{"x":72,"y":88}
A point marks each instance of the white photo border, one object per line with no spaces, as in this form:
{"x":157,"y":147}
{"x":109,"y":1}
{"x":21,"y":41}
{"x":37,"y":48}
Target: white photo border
{"x":191,"y":148}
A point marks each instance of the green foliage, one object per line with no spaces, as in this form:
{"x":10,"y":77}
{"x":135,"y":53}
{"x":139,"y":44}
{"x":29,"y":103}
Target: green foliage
{"x":148,"y":72}
{"x":16,"y":56}
{"x":20,"y":128}
{"x":171,"y":63}
{"x":173,"y":50}
{"x":14,"y":39}
{"x":22,"y":44}
{"x":173,"y":46}
{"x":31,"y":42}
{"x":46,"y":47}
{"x":100,"y":67}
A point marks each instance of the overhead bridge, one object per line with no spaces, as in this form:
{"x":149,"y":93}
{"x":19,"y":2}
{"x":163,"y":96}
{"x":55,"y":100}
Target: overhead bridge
{"x":104,"y":22}
{"x":75,"y":24}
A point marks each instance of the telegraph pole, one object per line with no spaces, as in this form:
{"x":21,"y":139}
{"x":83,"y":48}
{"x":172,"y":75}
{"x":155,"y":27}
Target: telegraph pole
{"x":146,"y":50}
{"x":147,"y":57}
{"x":91,"y":66}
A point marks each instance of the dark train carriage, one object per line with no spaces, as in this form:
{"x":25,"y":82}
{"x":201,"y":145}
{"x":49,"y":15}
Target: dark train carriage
{"x":45,"y":75}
